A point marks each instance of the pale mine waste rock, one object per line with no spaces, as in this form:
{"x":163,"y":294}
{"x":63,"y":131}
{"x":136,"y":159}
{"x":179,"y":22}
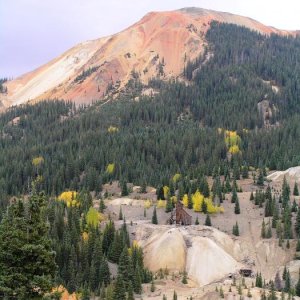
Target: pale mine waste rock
{"x":199,"y":250}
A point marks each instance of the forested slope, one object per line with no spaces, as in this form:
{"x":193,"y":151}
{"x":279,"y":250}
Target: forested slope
{"x":175,"y":131}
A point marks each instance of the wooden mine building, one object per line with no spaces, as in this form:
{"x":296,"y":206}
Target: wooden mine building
{"x":179,"y":216}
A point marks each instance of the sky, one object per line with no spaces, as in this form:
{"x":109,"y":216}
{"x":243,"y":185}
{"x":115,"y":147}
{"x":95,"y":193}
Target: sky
{"x":32,"y":32}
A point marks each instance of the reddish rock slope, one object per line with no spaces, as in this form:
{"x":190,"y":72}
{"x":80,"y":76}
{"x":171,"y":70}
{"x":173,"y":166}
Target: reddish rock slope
{"x":166,"y":38}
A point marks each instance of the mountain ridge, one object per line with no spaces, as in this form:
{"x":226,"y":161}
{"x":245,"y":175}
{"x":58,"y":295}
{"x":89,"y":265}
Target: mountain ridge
{"x":84,"y":72}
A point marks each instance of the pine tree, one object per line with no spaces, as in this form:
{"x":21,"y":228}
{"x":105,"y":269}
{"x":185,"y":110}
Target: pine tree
{"x":184,"y":278}
{"x":169,"y":205}
{"x":190,"y":202}
{"x":123,"y":266}
{"x":263,"y":230}
{"x":119,"y":292}
{"x":174,"y":295}
{"x":221,"y":293}
{"x":235,"y":229}
{"x":207,"y":220}
{"x":204,"y":206}
{"x":152,"y":288}
{"x":297,"y":288}
{"x":296,"y":190}
{"x":297,"y":223}
{"x":160,"y":193}
{"x":287,"y":285}
{"x":120,"y":213}
{"x":237,"y":210}
{"x":125,"y":191}
{"x":251,"y":196}
{"x":260,"y":179}
{"x":259,"y":280}
{"x":137,"y":282}
{"x":284,"y":273}
{"x":277,"y":282}
{"x":285,"y":193}
{"x":143,"y":188}
{"x":104,"y":273}
{"x":197,"y":221}
{"x":102,"y":206}
{"x":234,"y":196}
{"x":130,"y":295}
{"x":85,"y":294}
{"x":154,"y":216}
{"x":24,"y":242}
{"x":227,"y":185}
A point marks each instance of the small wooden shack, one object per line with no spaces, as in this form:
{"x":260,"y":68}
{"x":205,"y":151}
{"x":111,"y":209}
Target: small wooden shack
{"x":246,"y":272}
{"x":179,"y":215}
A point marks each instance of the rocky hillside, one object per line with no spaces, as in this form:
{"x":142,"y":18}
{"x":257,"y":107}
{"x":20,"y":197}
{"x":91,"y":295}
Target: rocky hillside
{"x":158,"y":45}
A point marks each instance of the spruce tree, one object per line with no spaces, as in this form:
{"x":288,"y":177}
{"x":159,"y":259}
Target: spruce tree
{"x":130,"y":295}
{"x":277,"y":282}
{"x":169,"y":204}
{"x":154,"y":216}
{"x":263,"y":230}
{"x":207,"y":220}
{"x":24,"y":242}
{"x":297,"y":223}
{"x":184,"y":278}
{"x":120,"y":291}
{"x":190,"y":202}
{"x":174,"y":295}
{"x":104,"y":273}
{"x":120,"y":213}
{"x":251,"y":196}
{"x":237,"y":210}
{"x":102,"y":206}
{"x":137,"y":282}
{"x":296,"y":190}
{"x":297,"y":288}
{"x":234,"y":196}
{"x":260,"y":179}
{"x":125,"y":191}
{"x":197,"y":221}
{"x":287,"y":285}
{"x":235,"y":229}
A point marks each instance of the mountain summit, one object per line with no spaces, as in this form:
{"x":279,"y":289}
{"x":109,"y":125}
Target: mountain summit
{"x":158,"y":45}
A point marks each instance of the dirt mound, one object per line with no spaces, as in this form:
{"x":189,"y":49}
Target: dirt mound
{"x":199,"y":250}
{"x":208,"y":262}
{"x":291,"y":174}
{"x":126,"y":201}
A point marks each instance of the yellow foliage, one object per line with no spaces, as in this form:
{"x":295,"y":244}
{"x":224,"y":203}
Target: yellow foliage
{"x":110,"y":168}
{"x":185,"y":200}
{"x":93,"y":217}
{"x":174,"y":199}
{"x":37,"y":161}
{"x":234,"y":149}
{"x":85,"y":236}
{"x":64,"y":293}
{"x":147,"y":204}
{"x":198,"y":199}
{"x":112,"y":129}
{"x":166,"y":191}
{"x":161,"y":203}
{"x":176,"y":177}
{"x":68,"y":196}
{"x":135,"y":244}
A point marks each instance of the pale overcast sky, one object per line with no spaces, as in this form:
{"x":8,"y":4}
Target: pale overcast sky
{"x":34,"y":31}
